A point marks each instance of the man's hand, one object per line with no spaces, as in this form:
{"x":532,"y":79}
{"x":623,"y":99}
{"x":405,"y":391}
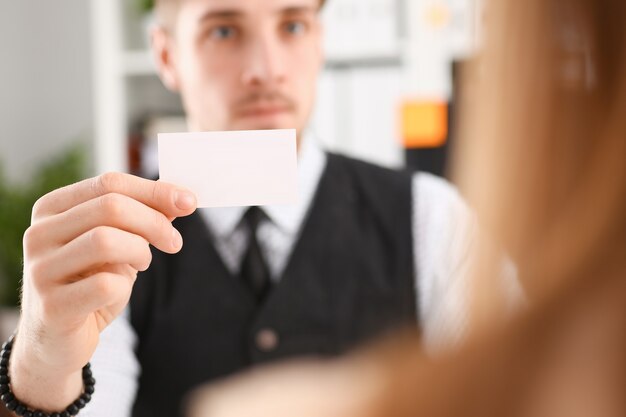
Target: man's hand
{"x":82,"y":252}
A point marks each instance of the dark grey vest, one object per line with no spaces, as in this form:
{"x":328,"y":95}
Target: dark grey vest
{"x":349,"y":278}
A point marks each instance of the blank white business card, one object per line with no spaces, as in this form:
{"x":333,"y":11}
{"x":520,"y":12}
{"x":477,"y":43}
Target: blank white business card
{"x":237,"y":168}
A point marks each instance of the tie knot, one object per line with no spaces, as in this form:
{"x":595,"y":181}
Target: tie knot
{"x":253,"y":217}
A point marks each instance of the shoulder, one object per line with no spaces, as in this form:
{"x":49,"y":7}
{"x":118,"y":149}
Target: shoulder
{"x":444,"y":229}
{"x":434,"y":192}
{"x":439,"y":209}
{"x":442,"y":219}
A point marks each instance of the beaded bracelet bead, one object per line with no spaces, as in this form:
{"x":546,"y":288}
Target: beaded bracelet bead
{"x":20,"y":409}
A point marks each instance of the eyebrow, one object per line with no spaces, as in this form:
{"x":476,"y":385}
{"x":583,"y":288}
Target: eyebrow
{"x":220,"y":14}
{"x":232,"y":13}
{"x":297,"y":10}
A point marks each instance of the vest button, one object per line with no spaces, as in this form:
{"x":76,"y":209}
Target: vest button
{"x":266,"y":340}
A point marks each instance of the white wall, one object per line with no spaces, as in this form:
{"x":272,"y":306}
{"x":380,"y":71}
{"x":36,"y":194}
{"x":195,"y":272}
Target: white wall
{"x":357,"y":113}
{"x":45,"y":76}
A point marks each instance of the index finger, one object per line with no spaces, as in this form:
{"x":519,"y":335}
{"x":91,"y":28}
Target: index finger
{"x":169,"y":199}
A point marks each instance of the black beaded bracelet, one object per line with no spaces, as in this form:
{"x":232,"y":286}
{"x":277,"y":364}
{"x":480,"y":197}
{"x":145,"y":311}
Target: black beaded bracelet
{"x":20,"y":409}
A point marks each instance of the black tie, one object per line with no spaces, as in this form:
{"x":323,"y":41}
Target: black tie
{"x":254,"y":271}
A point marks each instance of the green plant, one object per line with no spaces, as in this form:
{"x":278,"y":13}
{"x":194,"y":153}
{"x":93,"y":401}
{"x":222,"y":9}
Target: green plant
{"x":145,"y":6}
{"x":16,"y":202}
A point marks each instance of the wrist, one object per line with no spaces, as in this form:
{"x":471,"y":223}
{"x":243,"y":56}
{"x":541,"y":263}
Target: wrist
{"x":46,"y":352}
{"x":41,"y":391}
{"x":26,"y":387}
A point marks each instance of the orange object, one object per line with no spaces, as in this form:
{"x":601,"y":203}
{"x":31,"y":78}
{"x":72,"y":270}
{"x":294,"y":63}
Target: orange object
{"x":424,"y":124}
{"x":438,"y":16}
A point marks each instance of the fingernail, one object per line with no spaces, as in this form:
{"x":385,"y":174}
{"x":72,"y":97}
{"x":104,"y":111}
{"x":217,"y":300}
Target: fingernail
{"x":185,"y":200}
{"x":177,"y":239}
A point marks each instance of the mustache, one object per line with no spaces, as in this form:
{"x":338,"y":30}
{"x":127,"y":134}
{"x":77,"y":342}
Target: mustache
{"x":274,"y":98}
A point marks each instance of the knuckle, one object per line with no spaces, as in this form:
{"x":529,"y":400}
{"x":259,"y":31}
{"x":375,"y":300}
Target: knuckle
{"x":103,"y":285}
{"x":30,"y":238}
{"x":109,"y":182}
{"x":155,"y":191}
{"x":36,"y":272}
{"x":112,"y":206}
{"x":102,"y":239}
{"x":39,"y":207}
{"x":160,"y":191}
{"x":147,"y":257}
{"x":160,"y":223}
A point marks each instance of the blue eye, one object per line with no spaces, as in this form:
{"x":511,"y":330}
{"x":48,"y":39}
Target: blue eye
{"x":223,"y":32}
{"x":294,"y":28}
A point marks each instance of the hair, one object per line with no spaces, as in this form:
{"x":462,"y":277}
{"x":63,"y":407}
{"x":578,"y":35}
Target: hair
{"x":541,"y":158}
{"x":543,"y":147}
{"x":166,"y":10}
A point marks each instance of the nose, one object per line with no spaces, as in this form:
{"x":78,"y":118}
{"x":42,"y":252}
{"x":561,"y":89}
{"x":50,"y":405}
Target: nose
{"x":265,"y":64}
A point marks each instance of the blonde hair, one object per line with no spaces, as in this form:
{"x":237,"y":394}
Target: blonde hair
{"x":542,"y":152}
{"x":542,"y":160}
{"x":166,"y":11}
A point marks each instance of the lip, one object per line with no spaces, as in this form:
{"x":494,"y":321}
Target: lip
{"x":263,"y":111}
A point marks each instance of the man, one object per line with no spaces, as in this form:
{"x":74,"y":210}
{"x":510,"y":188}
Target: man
{"x":364,"y":251}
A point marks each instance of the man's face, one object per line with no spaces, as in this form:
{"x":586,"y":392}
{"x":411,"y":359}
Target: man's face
{"x":244,"y":64}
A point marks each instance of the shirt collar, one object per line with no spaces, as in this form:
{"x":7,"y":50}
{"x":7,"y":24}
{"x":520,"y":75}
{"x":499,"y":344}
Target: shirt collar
{"x":311,"y":163}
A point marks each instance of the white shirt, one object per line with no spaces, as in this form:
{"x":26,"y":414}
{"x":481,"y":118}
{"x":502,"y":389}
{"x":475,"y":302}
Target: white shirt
{"x":443,"y":230}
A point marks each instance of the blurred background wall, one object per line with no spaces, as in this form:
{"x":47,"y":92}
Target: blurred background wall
{"x":79,"y":72}
{"x":46,"y":76}
{"x":388,"y":61}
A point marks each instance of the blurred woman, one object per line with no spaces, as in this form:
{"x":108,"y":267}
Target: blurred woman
{"x":542,"y":159}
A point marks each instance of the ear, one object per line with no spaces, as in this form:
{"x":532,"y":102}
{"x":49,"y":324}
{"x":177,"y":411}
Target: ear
{"x":164,"y":55}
